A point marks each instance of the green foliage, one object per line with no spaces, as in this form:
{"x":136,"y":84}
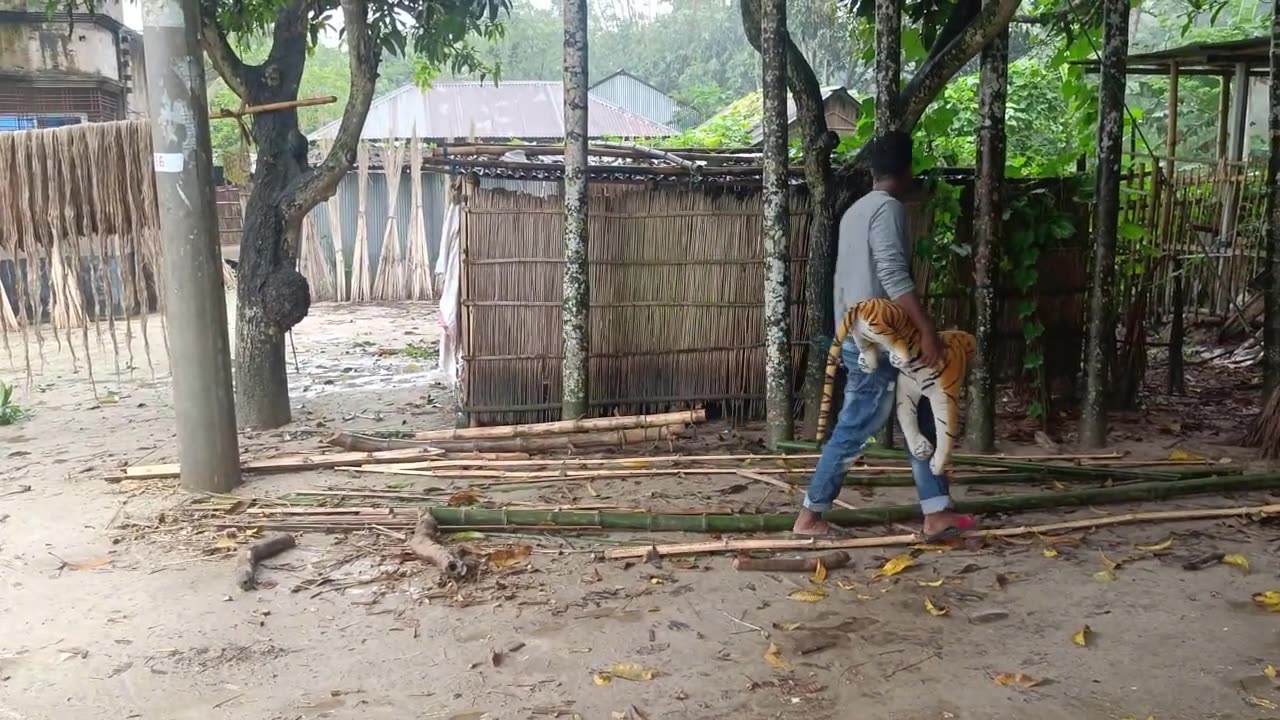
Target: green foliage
{"x":10,"y":411}
{"x":731,"y":127}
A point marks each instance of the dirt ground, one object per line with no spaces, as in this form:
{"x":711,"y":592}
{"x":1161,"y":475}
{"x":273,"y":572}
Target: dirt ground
{"x":107,"y":612}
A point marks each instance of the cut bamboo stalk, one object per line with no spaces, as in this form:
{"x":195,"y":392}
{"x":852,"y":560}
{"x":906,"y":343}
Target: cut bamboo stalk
{"x":747,"y":545}
{"x":389,"y":283}
{"x":831,"y":561}
{"x":360,"y":286}
{"x":684,"y":417}
{"x":420,"y":278}
{"x":285,"y":463}
{"x":449,"y":461}
{"x":334,"y":208}
{"x":777,"y":522}
{"x":760,"y":476}
{"x":569,"y":441}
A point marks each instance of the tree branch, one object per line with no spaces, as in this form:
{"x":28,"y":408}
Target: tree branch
{"x":233,"y":71}
{"x":1073,"y":10}
{"x":938,"y":70}
{"x":320,"y":183}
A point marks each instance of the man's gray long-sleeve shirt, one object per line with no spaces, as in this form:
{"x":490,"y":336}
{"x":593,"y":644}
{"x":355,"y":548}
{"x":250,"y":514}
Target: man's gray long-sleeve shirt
{"x":874,"y":255}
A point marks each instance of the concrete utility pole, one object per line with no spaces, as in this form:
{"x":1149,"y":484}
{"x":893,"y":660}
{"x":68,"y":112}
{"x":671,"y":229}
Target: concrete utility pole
{"x":195,"y":307}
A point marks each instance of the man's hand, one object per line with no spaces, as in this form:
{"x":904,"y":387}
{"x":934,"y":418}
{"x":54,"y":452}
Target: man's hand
{"x":931,"y":350}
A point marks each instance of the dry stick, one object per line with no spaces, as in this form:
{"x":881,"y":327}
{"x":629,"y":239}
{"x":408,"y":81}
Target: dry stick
{"x":255,"y":553}
{"x":424,"y":545}
{"x":831,"y":561}
{"x":225,"y":114}
{"x":759,"y":476}
{"x":891,"y":540}
{"x":576,"y":462}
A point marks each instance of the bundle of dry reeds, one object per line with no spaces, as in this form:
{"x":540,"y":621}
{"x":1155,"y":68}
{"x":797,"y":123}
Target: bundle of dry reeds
{"x":361,"y":289}
{"x":333,"y":206}
{"x":390,"y":280}
{"x":315,"y":263}
{"x":421,"y":285}
{"x":82,"y":236}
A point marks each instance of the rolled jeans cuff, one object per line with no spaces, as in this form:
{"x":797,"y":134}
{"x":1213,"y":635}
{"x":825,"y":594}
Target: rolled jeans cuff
{"x":816,"y":506}
{"x":931,"y":505}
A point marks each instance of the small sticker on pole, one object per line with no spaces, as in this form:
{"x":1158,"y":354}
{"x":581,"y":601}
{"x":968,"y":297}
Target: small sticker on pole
{"x":168,"y":162}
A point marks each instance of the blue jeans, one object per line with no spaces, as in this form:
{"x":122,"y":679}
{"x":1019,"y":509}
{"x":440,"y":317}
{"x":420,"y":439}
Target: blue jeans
{"x":868,"y":403}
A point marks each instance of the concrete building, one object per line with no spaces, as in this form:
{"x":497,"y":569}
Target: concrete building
{"x":69,"y":68}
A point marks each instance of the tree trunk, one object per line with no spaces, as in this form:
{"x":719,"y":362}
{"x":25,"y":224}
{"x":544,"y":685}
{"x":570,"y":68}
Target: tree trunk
{"x":888,"y":63}
{"x":777,"y":288}
{"x":818,"y":143}
{"x":271,"y":295}
{"x":993,"y":89}
{"x":574,"y":383}
{"x":1271,"y":326}
{"x":1101,"y":344}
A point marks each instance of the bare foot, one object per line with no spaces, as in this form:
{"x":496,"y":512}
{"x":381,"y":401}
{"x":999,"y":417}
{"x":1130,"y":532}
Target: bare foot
{"x":935,"y":523}
{"x":810,"y":523}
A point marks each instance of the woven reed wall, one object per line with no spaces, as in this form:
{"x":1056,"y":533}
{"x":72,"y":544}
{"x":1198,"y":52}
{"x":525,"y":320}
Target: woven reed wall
{"x":677,"y":300}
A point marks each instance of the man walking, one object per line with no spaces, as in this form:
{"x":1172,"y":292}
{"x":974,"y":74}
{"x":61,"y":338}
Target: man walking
{"x":874,"y":261}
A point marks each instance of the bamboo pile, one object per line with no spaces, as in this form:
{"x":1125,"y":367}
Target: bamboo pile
{"x":361,"y":290}
{"x":81,"y":239}
{"x":421,"y":279}
{"x":390,"y":281}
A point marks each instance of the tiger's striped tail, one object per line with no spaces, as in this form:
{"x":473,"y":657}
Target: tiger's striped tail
{"x":833,"y":361}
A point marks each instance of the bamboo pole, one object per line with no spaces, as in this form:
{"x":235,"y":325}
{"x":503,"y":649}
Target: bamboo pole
{"x":745,"y":545}
{"x":626,"y":436}
{"x":334,"y":208}
{"x":684,"y":417}
{"x":389,"y":281}
{"x":225,"y":114}
{"x":360,"y":288}
{"x":776,"y":522}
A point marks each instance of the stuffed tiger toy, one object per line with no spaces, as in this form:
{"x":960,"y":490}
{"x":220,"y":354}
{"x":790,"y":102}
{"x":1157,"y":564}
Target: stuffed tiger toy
{"x":879,"y":324}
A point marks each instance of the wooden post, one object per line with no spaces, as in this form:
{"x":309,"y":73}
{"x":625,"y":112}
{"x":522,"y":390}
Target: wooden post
{"x":1176,"y":384}
{"x":1235,"y":154}
{"x":1101,"y":342}
{"x":988,"y":208}
{"x":777,"y":313}
{"x":574,"y":391}
{"x":888,"y":40}
{"x":1224,"y":113}
{"x":1271,"y":323}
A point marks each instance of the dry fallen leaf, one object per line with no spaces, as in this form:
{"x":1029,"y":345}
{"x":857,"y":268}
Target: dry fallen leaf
{"x":1021,"y":680}
{"x":1050,"y":552}
{"x":464,"y":497}
{"x":1082,"y":636}
{"x":1270,"y":671}
{"x":1264,"y":703}
{"x":1158,"y":546}
{"x":809,"y":596}
{"x":602,"y":678}
{"x":895,"y":565}
{"x":932,"y":547}
{"x":820,"y":574}
{"x":1108,"y":562}
{"x":1180,"y":455}
{"x":1237,"y":560}
{"x":508,"y":557}
{"x":1269,"y":600}
{"x":773,"y":656}
{"x":846,"y":584}
{"x":634,"y":672}
{"x":787,"y":627}
{"x":1104,"y":576}
{"x":934,"y":610}
{"x":931,"y":583}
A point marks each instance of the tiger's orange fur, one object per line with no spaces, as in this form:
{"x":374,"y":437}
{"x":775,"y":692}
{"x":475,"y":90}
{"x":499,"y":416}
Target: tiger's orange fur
{"x":879,"y":324}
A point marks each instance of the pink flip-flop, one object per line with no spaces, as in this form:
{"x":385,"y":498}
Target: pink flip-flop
{"x":964,"y":523}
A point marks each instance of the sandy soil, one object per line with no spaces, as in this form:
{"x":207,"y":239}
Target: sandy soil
{"x":102,"y":618}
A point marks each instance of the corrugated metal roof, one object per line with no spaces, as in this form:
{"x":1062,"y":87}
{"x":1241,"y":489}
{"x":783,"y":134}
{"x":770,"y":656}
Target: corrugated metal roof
{"x":459,"y":110}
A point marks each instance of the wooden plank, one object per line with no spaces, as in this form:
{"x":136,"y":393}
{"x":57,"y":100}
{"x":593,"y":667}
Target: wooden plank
{"x":286,"y":463}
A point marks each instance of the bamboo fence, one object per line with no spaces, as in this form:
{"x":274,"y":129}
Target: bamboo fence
{"x":80,"y":245}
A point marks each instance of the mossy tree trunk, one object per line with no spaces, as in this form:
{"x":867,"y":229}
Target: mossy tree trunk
{"x":777,"y":287}
{"x":577,"y":292}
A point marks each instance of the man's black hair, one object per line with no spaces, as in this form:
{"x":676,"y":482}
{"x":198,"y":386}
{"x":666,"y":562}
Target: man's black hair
{"x":890,"y":155}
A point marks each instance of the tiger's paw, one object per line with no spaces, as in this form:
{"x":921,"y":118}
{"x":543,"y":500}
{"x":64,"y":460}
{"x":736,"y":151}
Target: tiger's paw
{"x":938,"y":465}
{"x":867,"y":362}
{"x":922,"y":449}
{"x":898,"y":361}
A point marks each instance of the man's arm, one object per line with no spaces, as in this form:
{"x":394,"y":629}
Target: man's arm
{"x":893,"y":269}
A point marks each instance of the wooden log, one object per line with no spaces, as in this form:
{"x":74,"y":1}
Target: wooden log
{"x":684,"y":417}
{"x":628,"y":436}
{"x":284,"y":463}
{"x":831,"y":561}
{"x":255,"y":553}
{"x":424,"y":545}
{"x":745,"y":545}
